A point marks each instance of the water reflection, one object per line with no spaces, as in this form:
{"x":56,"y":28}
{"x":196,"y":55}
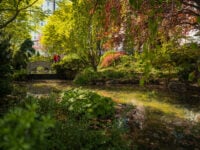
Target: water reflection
{"x":39,"y":88}
{"x":149,"y":98}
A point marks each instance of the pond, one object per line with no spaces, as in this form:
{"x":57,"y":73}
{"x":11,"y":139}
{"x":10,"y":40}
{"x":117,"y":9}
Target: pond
{"x":154,"y":98}
{"x":168,"y":118}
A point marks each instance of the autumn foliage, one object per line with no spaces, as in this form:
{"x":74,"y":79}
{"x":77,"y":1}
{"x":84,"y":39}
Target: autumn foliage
{"x":110,"y":58}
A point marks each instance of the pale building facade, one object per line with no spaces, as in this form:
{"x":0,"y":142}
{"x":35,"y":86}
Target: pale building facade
{"x":48,"y":7}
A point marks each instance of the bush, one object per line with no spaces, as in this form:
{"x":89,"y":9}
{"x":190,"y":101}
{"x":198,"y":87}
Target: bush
{"x":24,"y":129}
{"x":5,"y":87}
{"x":109,"y":59}
{"x":86,"y":77}
{"x":90,"y":77}
{"x":20,"y":75}
{"x":75,"y":135}
{"x":5,"y":65}
{"x":113,"y":74}
{"x":87,"y":104}
{"x":69,"y":66}
{"x":89,"y":125}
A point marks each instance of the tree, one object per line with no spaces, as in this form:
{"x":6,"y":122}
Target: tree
{"x":21,"y":56}
{"x":90,"y":27}
{"x":87,"y":30}
{"x":16,"y":20}
{"x":76,"y":28}
{"x":10,"y":10}
{"x":5,"y":66}
{"x":55,"y":35}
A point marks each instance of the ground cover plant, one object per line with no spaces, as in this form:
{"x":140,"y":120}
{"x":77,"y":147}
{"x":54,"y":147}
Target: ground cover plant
{"x":159,"y":47}
{"x":88,"y":104}
{"x":81,"y":119}
{"x":76,"y":126}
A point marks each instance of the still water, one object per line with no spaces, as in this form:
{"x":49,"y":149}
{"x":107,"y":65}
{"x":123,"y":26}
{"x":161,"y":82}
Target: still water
{"x":161,"y":103}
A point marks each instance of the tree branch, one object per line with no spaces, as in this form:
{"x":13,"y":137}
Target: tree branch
{"x":17,"y":12}
{"x":191,"y":5}
{"x":189,"y":12}
{"x":28,"y":5}
{"x":10,"y":20}
{"x":7,"y":9}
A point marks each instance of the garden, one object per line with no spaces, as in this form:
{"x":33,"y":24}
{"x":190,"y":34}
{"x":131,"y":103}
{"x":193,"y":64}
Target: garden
{"x":125,"y":78}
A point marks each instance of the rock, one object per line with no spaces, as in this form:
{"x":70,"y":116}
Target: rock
{"x":128,"y":115}
{"x":137,"y":117}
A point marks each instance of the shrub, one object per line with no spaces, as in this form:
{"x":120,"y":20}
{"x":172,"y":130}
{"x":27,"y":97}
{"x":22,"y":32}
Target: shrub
{"x":5,"y":87}
{"x":20,"y":75}
{"x":110,"y":58}
{"x":47,"y":105}
{"x":89,"y":77}
{"x":89,"y":125}
{"x":69,"y":66}
{"x":74,"y":135}
{"x":86,"y":77}
{"x":24,"y":129}
{"x":113,"y":74}
{"x":106,"y":54}
{"x":87,"y":104}
{"x":5,"y":65}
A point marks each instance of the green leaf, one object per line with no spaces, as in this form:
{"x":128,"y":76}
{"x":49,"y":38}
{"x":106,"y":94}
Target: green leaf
{"x":198,"y":82}
{"x":142,"y":81}
{"x":198,"y":19}
{"x":131,"y":2}
{"x":136,"y":3}
{"x":191,"y":76}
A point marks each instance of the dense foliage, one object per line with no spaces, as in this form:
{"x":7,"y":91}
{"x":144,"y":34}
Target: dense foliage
{"x":156,"y":38}
{"x":18,"y":19}
{"x":108,"y":75}
{"x":27,"y":132}
{"x":110,"y":58}
{"x":87,"y":104}
{"x":5,"y":65}
{"x":20,"y":57}
{"x":81,"y":120}
{"x":69,"y":66}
